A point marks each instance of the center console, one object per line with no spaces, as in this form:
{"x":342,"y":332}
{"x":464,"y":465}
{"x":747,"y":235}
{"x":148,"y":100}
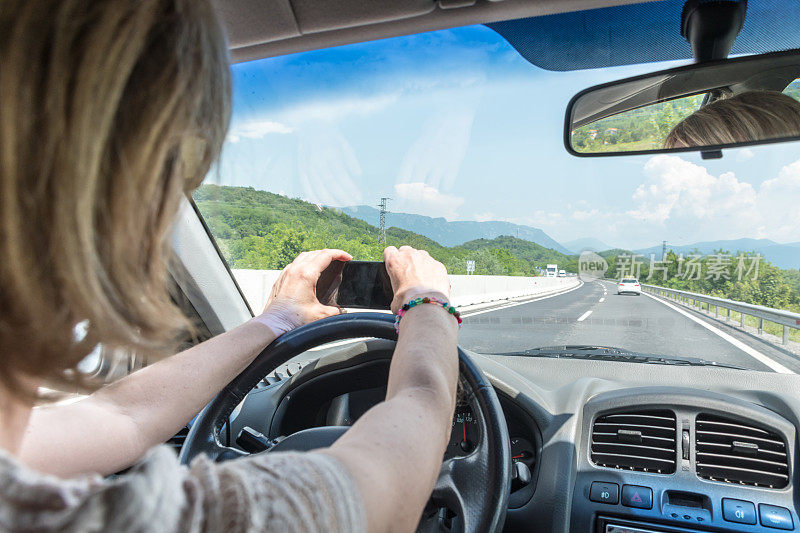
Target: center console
{"x":667,"y":463}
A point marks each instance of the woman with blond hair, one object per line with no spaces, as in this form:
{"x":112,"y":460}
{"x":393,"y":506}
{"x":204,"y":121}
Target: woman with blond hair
{"x":746,"y":117}
{"x":110,"y":111}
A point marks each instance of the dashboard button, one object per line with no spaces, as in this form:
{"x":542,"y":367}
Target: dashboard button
{"x":775,"y":517}
{"x":739,"y":511}
{"x":604,"y":492}
{"x":637,"y":496}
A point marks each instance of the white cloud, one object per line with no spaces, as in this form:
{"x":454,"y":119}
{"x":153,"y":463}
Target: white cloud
{"x":585,"y":215}
{"x":256,"y":129}
{"x":744,"y":154}
{"x":676,"y":191}
{"x":778,"y":200}
{"x":423,"y":199}
{"x":484,"y":217}
{"x":334,"y":110}
{"x":684,"y":199}
{"x":684,"y":203}
{"x":310,"y":116}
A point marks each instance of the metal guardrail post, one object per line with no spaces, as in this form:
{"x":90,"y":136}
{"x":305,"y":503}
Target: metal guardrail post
{"x":785,"y":335}
{"x":760,"y":325}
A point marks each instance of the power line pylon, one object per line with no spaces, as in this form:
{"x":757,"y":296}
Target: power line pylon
{"x":382,"y":221}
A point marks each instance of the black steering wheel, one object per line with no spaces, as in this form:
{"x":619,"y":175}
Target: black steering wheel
{"x":475,"y":487}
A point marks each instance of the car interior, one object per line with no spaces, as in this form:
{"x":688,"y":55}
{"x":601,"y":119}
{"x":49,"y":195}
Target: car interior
{"x":539,"y":444}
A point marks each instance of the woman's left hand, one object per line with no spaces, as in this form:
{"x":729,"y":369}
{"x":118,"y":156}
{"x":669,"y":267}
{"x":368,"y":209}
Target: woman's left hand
{"x":293,"y":301}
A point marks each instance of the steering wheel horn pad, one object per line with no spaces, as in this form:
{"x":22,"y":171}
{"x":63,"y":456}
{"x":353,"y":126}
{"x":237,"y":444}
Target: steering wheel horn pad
{"x":475,"y":486}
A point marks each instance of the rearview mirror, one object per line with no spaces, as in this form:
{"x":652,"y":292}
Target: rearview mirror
{"x":706,"y":106}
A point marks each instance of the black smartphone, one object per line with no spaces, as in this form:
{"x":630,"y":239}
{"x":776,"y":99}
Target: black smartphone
{"x":356,"y":284}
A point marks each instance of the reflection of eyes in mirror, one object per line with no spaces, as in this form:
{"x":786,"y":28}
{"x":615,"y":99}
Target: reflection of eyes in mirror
{"x":746,"y":117}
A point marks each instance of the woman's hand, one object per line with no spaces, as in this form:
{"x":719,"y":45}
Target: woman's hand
{"x":293,"y":301}
{"x":415,"y":273}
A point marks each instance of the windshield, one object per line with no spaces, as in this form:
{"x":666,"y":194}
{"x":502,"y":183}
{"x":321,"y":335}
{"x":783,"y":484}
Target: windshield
{"x":452,"y":142}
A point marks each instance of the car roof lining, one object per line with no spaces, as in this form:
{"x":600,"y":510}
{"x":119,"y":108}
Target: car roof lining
{"x":258,"y":29}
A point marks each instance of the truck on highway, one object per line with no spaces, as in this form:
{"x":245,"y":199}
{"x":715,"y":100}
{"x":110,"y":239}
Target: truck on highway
{"x":551,"y":271}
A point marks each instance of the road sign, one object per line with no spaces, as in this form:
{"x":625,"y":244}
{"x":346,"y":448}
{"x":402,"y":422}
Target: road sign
{"x":470,"y":267}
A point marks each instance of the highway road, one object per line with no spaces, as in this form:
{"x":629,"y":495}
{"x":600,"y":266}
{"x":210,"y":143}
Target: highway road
{"x":594,"y":314}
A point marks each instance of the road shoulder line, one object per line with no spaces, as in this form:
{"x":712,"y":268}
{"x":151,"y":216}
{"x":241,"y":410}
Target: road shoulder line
{"x":762,"y":358}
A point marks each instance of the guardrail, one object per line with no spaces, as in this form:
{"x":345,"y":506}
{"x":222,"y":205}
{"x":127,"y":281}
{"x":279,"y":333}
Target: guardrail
{"x":786,"y":319}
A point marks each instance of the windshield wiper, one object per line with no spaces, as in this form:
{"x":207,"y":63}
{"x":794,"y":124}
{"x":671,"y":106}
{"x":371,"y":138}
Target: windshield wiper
{"x":608,"y":353}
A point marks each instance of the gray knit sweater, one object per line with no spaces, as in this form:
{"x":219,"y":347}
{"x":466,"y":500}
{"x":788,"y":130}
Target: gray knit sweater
{"x":270,"y":492}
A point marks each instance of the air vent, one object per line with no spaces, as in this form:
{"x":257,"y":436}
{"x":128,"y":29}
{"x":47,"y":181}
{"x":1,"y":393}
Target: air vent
{"x":635,"y":440}
{"x":732,"y":451}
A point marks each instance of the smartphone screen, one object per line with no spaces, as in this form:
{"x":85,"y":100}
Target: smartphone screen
{"x":356,"y":284}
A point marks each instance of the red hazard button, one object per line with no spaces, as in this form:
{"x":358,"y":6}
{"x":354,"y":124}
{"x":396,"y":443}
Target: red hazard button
{"x":637,"y":496}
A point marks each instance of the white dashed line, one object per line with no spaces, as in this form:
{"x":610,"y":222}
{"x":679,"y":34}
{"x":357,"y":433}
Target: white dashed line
{"x":603,"y":299}
{"x":467,"y":314}
{"x":584,"y":315}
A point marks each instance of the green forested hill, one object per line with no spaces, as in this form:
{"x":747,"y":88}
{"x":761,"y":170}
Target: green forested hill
{"x":262,"y":230}
{"x":521,"y":252}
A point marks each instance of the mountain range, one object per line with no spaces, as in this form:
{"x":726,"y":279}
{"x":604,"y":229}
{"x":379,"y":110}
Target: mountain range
{"x":453,"y":233}
{"x":780,"y":255}
{"x":588,"y":243}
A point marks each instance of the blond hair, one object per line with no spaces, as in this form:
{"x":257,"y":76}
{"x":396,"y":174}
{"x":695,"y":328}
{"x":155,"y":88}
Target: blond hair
{"x":746,"y":117}
{"x":110,"y":110}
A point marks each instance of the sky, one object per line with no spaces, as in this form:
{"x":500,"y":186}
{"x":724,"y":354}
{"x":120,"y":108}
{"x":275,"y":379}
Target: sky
{"x":457,"y":124}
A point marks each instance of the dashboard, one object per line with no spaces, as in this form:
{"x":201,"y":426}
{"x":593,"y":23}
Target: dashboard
{"x":599,"y":446}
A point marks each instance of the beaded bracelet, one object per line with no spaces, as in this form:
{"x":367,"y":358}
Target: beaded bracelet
{"x":426,"y":300}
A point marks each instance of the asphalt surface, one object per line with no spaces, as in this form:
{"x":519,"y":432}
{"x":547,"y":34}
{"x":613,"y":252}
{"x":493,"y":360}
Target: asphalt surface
{"x":594,"y":314}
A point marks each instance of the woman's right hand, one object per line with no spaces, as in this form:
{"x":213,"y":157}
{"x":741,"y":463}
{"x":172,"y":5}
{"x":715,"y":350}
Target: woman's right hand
{"x":293,"y":301}
{"x":415,"y":273}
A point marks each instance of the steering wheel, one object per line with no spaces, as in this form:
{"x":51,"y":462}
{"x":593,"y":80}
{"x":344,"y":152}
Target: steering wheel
{"x":475,"y":487}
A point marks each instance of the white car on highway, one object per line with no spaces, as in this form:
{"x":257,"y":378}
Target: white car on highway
{"x":630,"y":286}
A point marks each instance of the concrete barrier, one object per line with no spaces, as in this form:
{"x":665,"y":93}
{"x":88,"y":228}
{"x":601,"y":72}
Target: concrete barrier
{"x":471,"y":290}
{"x":464,"y":290}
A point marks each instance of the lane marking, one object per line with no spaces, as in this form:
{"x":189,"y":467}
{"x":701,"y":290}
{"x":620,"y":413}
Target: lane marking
{"x":584,"y":315}
{"x":603,"y":299}
{"x":514,"y":304}
{"x":776,"y":366}
{"x":505,"y":306}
